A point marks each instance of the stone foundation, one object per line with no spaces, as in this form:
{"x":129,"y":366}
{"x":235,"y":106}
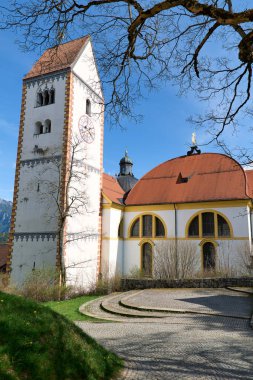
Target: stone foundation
{"x":145,"y":283}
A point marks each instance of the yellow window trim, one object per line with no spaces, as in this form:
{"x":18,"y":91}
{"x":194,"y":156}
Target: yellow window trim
{"x":202,"y":253}
{"x":216,"y":213}
{"x":149,"y":241}
{"x":141,"y":225}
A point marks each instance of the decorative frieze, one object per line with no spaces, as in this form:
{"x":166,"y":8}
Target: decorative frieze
{"x":20,"y":236}
{"x":45,"y":78}
{"x":42,"y":160}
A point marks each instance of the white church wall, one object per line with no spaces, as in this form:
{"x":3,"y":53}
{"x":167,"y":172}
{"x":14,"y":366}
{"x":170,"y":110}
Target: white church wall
{"x":38,"y":252}
{"x":36,"y":208}
{"x":36,"y":214}
{"x":86,"y":69}
{"x":85,"y":223}
{"x":227,"y":250}
{"x":112,"y":247}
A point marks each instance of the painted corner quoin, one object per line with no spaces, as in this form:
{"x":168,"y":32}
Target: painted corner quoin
{"x":17,"y":175}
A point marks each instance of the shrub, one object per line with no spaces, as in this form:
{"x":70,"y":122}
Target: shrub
{"x":175,"y":260}
{"x":43,"y":285}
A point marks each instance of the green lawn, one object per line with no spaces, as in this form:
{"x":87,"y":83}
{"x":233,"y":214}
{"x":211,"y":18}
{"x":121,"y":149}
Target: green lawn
{"x":37,"y":343}
{"x":69,"y":308}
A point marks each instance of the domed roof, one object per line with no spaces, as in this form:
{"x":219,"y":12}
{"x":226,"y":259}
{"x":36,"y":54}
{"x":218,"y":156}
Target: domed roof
{"x":126,"y":159}
{"x":195,"y":178}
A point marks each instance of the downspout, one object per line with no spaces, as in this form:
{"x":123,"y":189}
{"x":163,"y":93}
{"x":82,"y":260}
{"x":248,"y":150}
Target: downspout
{"x":176,"y":239}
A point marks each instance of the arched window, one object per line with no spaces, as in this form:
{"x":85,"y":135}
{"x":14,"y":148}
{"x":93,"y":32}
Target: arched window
{"x":47,"y":126}
{"x":146,"y":259}
{"x":46,"y":97}
{"x":38,"y":128}
{"x":135,"y":230}
{"x":159,"y":228}
{"x":148,"y":226}
{"x":120,"y":230}
{"x":51,"y":96}
{"x":208,"y":257}
{"x":194,"y":227}
{"x":209,"y":224}
{"x":223,"y":227}
{"x":39,"y":99}
{"x":88,"y":107}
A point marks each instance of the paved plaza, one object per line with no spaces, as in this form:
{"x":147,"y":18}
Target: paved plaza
{"x":215,"y":341}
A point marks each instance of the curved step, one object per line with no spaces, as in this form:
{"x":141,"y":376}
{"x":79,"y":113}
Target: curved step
{"x":124,"y":303}
{"x":112,"y":305}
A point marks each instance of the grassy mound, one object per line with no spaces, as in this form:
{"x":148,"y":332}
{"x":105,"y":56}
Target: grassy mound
{"x":36,"y":343}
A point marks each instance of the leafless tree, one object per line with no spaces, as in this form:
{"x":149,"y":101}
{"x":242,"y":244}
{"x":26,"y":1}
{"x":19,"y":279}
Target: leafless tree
{"x":175,"y":260}
{"x":245,"y":259}
{"x":63,"y":188}
{"x":202,"y":45}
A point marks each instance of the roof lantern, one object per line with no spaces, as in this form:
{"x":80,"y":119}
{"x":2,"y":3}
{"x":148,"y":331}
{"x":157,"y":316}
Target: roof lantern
{"x":126,"y":179}
{"x":126,"y":165}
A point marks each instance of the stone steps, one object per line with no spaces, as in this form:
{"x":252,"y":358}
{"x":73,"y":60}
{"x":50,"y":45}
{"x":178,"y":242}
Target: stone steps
{"x":113,"y":305}
{"x":118,"y":307}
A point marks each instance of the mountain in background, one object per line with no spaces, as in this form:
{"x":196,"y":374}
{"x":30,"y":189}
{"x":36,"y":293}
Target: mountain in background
{"x":5,"y":216}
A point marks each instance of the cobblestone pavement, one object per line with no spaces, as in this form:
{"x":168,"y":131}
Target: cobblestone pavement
{"x":183,"y":346}
{"x":220,"y":301}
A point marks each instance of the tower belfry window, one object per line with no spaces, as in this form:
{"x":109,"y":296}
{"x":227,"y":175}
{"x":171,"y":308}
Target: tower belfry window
{"x":45,"y":97}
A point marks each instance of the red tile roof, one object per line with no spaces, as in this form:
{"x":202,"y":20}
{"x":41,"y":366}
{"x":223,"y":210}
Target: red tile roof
{"x":112,"y":189}
{"x":208,"y":177}
{"x":57,"y":58}
{"x":249,"y":177}
{"x":3,"y":254}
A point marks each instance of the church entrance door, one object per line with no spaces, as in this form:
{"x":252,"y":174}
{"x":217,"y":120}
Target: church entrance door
{"x":146,"y":260}
{"x":208,"y":256}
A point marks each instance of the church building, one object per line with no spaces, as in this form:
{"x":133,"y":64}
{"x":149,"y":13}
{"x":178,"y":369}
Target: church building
{"x":67,"y":211}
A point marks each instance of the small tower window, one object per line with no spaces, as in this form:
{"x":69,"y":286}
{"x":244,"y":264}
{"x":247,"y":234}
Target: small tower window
{"x":51,"y":95}
{"x":88,"y":107}
{"x":47,"y":126}
{"x":46,"y":97}
{"x":38,"y":128}
{"x":39,"y":99}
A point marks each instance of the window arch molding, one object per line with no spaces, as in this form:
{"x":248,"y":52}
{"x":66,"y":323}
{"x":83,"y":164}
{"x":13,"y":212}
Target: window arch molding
{"x":140,"y":217}
{"x":202,"y":259}
{"x":216,"y":235}
{"x":142,"y":244}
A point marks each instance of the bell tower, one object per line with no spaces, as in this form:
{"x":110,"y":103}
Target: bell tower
{"x":62,"y":107}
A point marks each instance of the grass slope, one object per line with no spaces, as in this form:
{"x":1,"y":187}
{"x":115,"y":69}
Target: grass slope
{"x":70,"y":308}
{"x":38,"y":344}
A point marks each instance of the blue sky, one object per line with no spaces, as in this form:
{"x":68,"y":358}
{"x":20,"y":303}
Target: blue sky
{"x":162,"y":134}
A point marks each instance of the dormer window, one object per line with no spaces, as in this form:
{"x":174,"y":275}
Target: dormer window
{"x":88,"y":107}
{"x":45,"y":97}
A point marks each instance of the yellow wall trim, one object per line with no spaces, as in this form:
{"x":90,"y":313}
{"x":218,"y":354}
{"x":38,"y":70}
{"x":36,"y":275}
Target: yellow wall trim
{"x":187,"y":206}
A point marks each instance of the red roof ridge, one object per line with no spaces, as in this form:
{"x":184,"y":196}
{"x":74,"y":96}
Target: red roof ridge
{"x":65,"y":56}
